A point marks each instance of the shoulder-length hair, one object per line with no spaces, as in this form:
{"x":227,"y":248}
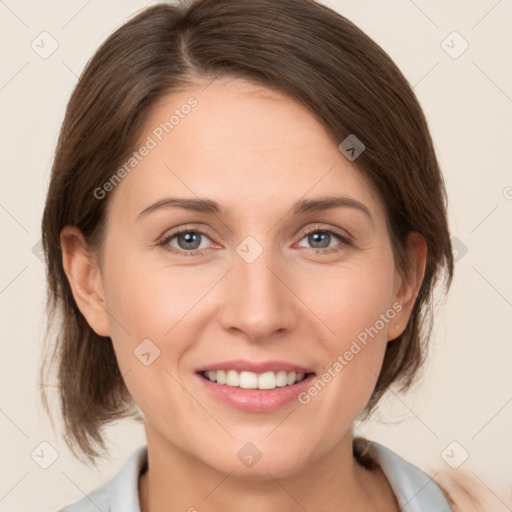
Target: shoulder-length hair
{"x":299,"y":47}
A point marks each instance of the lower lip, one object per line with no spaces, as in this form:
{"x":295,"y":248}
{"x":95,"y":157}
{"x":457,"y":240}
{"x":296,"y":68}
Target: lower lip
{"x":256,"y":400}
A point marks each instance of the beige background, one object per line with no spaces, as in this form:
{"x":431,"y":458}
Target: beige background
{"x":466,"y":393}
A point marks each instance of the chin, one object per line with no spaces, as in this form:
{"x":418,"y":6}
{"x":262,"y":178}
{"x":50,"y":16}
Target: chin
{"x":247,"y":462}
{"x":275,"y":467}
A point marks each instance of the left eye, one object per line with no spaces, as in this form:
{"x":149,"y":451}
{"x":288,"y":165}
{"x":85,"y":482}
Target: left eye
{"x":188,"y":241}
{"x":320,"y":239}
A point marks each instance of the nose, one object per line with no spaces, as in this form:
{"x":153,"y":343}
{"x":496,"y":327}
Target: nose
{"x":259,"y":300}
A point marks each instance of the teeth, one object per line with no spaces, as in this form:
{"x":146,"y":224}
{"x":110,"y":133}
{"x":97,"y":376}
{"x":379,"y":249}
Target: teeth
{"x":250,"y":380}
{"x":232,"y":378}
{"x":267,"y":380}
{"x":281,"y":379}
{"x":219,"y":376}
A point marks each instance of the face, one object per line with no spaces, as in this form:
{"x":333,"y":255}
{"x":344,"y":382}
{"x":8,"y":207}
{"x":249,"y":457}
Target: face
{"x":268,"y":281}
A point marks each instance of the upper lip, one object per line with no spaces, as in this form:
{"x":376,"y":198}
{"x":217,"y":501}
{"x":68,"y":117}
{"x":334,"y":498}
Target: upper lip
{"x":241,"y":365}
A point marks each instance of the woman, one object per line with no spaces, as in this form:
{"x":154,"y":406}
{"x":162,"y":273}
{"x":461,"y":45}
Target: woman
{"x":243,"y":230}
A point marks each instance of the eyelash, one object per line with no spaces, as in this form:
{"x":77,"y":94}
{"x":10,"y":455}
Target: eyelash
{"x":197,"y":252}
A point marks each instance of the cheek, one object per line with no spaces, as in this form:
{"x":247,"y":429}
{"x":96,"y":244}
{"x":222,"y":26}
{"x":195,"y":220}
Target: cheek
{"x":145,"y":298}
{"x":147,"y":306}
{"x":356,"y":306}
{"x":353,"y":299}
{"x":153,"y":302}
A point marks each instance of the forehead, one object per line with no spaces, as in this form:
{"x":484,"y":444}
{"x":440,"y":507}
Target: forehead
{"x":242,"y":144}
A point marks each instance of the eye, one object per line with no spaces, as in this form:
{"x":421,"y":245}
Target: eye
{"x":320,"y":240}
{"x":188,"y":241}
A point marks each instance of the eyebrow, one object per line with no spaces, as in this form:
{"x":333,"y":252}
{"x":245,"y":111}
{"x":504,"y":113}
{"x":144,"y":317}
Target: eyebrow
{"x":300,"y":207}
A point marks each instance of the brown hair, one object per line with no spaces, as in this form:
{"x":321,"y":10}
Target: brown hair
{"x":299,"y":47}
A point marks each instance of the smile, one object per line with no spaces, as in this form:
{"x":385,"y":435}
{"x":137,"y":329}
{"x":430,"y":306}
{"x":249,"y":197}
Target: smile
{"x":251,"y":380}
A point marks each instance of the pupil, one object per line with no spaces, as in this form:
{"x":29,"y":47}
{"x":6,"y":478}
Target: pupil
{"x":320,"y":237}
{"x":190,"y":238}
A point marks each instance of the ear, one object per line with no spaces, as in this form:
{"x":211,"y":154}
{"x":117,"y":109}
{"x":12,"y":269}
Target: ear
{"x":83,"y":273}
{"x":406,"y":288}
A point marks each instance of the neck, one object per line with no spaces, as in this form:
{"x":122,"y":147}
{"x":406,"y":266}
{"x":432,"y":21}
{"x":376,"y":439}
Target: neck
{"x":176,"y":481}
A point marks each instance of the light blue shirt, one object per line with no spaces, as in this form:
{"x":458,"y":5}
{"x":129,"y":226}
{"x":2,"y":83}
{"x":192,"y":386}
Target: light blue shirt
{"x":415,"y":491}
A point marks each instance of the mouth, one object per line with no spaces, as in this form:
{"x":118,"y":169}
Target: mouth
{"x":255,"y":387}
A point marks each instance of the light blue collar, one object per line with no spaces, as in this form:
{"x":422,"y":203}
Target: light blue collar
{"x":415,"y":491}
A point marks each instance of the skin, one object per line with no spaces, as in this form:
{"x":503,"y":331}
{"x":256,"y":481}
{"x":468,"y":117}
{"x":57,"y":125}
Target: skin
{"x":256,"y":152}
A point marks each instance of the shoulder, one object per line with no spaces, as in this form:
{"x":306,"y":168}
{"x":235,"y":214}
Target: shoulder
{"x":118,"y":493}
{"x":415,"y":490}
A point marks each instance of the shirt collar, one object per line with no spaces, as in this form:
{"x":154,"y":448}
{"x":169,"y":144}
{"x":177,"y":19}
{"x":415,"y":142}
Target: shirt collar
{"x":415,"y":491}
